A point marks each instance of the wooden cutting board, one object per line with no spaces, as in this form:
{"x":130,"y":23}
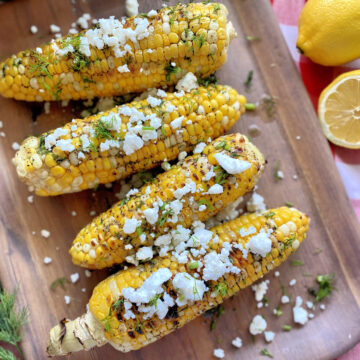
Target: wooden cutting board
{"x":318,"y":191}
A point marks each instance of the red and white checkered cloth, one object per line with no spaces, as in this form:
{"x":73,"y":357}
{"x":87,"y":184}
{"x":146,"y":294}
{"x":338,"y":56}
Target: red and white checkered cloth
{"x":316,"y":78}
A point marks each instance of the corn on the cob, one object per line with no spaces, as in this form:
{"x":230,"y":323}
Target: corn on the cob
{"x":127,"y":139}
{"x":194,"y":190}
{"x":118,"y":57}
{"x":255,"y":244}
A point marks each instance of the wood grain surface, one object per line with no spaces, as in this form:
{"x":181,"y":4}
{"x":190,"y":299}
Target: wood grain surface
{"x":318,"y":191}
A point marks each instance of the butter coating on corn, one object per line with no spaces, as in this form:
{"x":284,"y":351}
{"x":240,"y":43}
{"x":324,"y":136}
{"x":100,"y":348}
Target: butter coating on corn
{"x":116,"y":57}
{"x":126,"y":139}
{"x":232,"y":259}
{"x":197,"y":188}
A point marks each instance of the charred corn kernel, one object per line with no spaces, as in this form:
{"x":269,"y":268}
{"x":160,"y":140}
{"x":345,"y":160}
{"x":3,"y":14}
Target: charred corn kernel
{"x":182,"y":189}
{"x":113,"y":317}
{"x":74,"y":68}
{"x":87,"y":147}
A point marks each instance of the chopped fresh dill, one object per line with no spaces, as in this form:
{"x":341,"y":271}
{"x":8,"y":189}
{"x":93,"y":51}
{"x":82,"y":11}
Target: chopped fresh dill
{"x":61,"y":281}
{"x":296,"y":262}
{"x":325,"y":287}
{"x":170,"y":70}
{"x":249,"y":79}
{"x":266,"y":352}
{"x":253,"y":38}
{"x":209,"y":80}
{"x":221,"y":289}
{"x":207,"y":203}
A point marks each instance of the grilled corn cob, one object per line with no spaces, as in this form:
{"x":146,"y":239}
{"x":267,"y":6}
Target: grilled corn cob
{"x":118,"y":57}
{"x":196,"y":189}
{"x":127,"y":139}
{"x":254,"y":244}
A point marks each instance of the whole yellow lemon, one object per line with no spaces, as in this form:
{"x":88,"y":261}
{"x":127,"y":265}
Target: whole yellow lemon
{"x":329,"y":31}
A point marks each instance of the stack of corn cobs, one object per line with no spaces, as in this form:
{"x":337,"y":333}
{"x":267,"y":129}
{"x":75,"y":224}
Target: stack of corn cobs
{"x":176,"y":268}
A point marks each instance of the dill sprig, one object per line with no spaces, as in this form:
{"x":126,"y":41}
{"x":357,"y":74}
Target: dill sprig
{"x":6,"y":354}
{"x":170,"y":70}
{"x":11,"y":321}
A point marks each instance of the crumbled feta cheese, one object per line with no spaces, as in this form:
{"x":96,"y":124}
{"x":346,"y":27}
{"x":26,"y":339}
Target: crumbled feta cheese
{"x":33,"y":29}
{"x":45,"y":233}
{"x":144,"y":253}
{"x":161,"y":93}
{"x":151,"y":215}
{"x":292,"y":282}
{"x":310,"y":304}
{"x":219,"y":353}
{"x":231,"y":165}
{"x":151,"y":13}
{"x":199,"y":148}
{"x":260,"y":289}
{"x":277,"y":273}
{"x":153,"y":101}
{"x":202,"y":207}
{"x":132,"y":143}
{"x":83,"y":290}
{"x":215,"y":189}
{"x":258,"y":325}
{"x":87,"y":273}
{"x":187,"y":83}
{"x":300,"y":314}
{"x":74,"y":277}
{"x":30,"y":199}
{"x":67,"y":299}
{"x":269,"y":336}
{"x":47,"y":260}
{"x":256,"y":203}
{"x":218,"y":264}
{"x":176,"y":123}
{"x":322,"y":307}
{"x":237,"y":342}
{"x":132,"y":7}
{"x":15,"y":146}
{"x":92,"y":213}
{"x":259,"y":305}
{"x":130,"y":225}
{"x":260,"y":244}
{"x":295,"y":177}
{"x":47,"y":107}
{"x":298,"y":137}
{"x":54,"y":29}
{"x":285,"y":299}
{"x":279,"y":174}
{"x":182,"y":155}
{"x":311,"y":316}
{"x":188,"y":288}
{"x":73,"y":213}
{"x":123,"y":69}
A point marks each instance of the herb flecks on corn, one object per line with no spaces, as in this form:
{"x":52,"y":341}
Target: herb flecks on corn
{"x":129,"y":319}
{"x":117,"y":57}
{"x":196,"y":189}
{"x":127,"y":139}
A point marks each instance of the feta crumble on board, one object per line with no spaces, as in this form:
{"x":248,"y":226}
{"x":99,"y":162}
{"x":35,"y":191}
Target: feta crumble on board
{"x":299,"y":313}
{"x":33,"y":29}
{"x":187,"y":83}
{"x":269,"y":336}
{"x":237,"y":342}
{"x":277,"y":273}
{"x":15,"y":146}
{"x":45,"y":233}
{"x":30,"y":199}
{"x":260,"y":289}
{"x":54,"y":29}
{"x":292,"y":282}
{"x":67,"y":299}
{"x":285,"y":299}
{"x":47,"y":260}
{"x":132,"y":7}
{"x":74,"y":277}
{"x":219,"y":353}
{"x":231,"y":165}
{"x":258,"y":325}
{"x":322,"y":307}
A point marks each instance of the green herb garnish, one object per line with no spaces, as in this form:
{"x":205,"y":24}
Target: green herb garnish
{"x":296,"y":262}
{"x":207,"y":203}
{"x":221,"y":289}
{"x":268,"y":103}
{"x":40,"y":66}
{"x":269,"y":214}
{"x":276,"y":171}
{"x":206,"y":81}
{"x":248,"y":81}
{"x":102,"y":131}
{"x":253,"y":38}
{"x":193,"y":265}
{"x":278,"y":311}
{"x":11,"y":322}
{"x":325,"y":287}
{"x":153,"y":301}
{"x":170,"y":70}
{"x":287,"y":327}
{"x":289,"y":204}
{"x":59,"y":282}
{"x":250,"y":106}
{"x":266,"y":352}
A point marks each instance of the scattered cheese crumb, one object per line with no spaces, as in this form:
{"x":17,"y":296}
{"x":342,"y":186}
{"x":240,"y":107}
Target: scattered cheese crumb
{"x":187,"y":82}
{"x":310,"y":304}
{"x":277,"y":273}
{"x":258,"y":325}
{"x":33,"y":29}
{"x":30,"y":199}
{"x":295,"y":177}
{"x":292,"y":282}
{"x":73,"y":213}
{"x":74,"y":277}
{"x":322,"y":306}
{"x":298,"y":137}
{"x":144,"y":253}
{"x":256,"y":203}
{"x":15,"y":146}
{"x":237,"y":342}
{"x":83,"y":290}
{"x":54,"y":29}
{"x":45,"y":233}
{"x":199,"y":148}
{"x":285,"y":299}
{"x":231,"y":165}
{"x":132,"y":7}
{"x":269,"y":336}
{"x":311,"y":316}
{"x":151,"y":13}
{"x":47,"y":260}
{"x":219,"y":353}
{"x":87,"y":273}
{"x":92,"y":213}
{"x":260,"y":289}
{"x":279,"y":174}
{"x":299,"y":313}
{"x":67,"y":299}
{"x":215,"y":189}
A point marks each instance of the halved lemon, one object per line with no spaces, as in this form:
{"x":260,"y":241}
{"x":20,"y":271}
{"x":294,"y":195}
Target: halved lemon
{"x":339,"y":110}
